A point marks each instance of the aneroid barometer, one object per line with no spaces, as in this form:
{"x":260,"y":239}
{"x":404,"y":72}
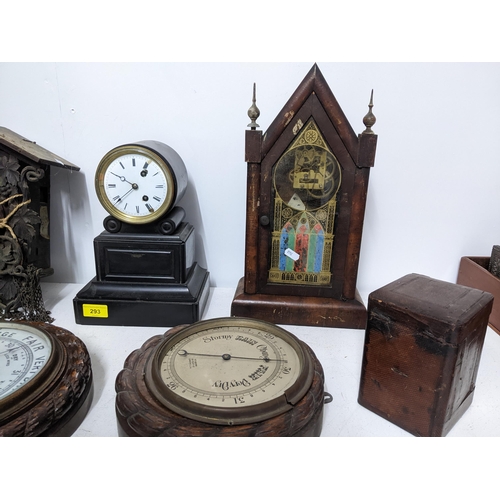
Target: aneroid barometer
{"x":146,"y":271}
{"x":45,"y":380}
{"x":307,"y":180}
{"x":221,"y":377}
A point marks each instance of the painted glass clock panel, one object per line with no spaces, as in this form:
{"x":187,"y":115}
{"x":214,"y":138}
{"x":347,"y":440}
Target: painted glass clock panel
{"x":306,"y":180}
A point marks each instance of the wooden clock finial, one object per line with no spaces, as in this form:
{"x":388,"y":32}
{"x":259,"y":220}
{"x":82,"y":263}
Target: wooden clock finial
{"x":253,"y":112}
{"x":369,"y":119}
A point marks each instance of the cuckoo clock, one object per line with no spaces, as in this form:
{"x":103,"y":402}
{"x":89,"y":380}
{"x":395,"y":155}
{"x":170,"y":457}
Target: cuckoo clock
{"x":24,"y":224}
{"x":307,"y":180}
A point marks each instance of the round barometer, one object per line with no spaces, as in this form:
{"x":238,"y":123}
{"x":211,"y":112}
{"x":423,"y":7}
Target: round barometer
{"x":45,"y":380}
{"x":224,"y":376}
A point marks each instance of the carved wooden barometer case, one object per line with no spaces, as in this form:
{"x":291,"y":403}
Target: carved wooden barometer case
{"x":306,"y":195}
{"x":233,"y":377}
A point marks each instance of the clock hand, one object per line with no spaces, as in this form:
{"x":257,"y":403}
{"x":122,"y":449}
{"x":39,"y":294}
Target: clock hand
{"x":226,"y":356}
{"x":120,"y":198}
{"x":122,"y":178}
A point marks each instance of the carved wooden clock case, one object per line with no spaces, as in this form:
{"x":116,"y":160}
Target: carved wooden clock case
{"x":306,"y":195}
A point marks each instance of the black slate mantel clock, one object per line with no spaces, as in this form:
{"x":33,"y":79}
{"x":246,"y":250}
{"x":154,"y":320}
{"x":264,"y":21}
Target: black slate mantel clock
{"x":307,"y":181}
{"x":146,"y":273}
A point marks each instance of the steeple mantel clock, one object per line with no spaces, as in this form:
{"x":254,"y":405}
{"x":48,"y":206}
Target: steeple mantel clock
{"x":307,"y":181}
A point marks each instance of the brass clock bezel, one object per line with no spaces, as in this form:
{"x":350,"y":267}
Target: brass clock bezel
{"x":35,"y":389}
{"x":153,"y":155}
{"x":228,"y":416}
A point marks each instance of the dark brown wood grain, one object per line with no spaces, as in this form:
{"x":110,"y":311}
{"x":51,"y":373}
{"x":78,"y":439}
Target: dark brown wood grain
{"x":300,"y":310}
{"x":252,"y":154}
{"x":422,"y":349}
{"x":313,"y":83}
{"x":355,"y":231}
{"x":473,"y":272}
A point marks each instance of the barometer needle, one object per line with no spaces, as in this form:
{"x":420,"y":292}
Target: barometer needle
{"x":9,"y":350}
{"x":226,"y":356}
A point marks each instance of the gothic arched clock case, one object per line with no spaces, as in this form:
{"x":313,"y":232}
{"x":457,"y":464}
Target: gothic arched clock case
{"x":306,"y":195}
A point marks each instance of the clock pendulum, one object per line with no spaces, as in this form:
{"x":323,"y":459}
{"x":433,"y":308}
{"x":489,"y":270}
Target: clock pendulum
{"x":221,"y":377}
{"x":146,"y":273}
{"x":45,"y":380}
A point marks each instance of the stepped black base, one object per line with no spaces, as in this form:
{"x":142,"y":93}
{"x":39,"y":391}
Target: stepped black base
{"x":143,"y":304}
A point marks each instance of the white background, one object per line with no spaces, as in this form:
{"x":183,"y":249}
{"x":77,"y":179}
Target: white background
{"x":433,"y":193}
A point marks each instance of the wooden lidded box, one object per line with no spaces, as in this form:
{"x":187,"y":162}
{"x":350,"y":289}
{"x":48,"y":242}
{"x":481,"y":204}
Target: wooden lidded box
{"x":423,"y":344}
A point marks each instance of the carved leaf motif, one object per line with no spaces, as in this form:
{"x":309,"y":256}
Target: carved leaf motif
{"x":22,"y":223}
{"x":5,"y":255}
{"x":8,"y":288}
{"x":9,"y":173}
{"x":10,"y":254}
{"x":18,"y":231}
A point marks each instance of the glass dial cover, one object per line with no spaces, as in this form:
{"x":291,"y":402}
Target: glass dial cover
{"x":24,"y":352}
{"x":230,"y":371}
{"x":135,"y":185}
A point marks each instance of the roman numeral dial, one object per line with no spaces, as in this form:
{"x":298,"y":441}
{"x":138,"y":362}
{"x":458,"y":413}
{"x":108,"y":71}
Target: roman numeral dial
{"x":136,"y":184}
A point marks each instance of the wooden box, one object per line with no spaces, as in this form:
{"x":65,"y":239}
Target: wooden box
{"x":473,"y":272}
{"x":423,"y":344}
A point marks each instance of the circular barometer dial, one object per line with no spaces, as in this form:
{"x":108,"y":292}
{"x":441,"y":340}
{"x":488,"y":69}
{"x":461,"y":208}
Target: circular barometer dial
{"x":139,"y":183}
{"x":228,"y":372}
{"x":26,"y":355}
{"x":37,"y":362}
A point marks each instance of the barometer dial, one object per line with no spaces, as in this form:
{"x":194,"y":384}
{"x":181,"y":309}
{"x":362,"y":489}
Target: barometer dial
{"x":229,"y":371}
{"x":24,"y":352}
{"x":45,"y":380}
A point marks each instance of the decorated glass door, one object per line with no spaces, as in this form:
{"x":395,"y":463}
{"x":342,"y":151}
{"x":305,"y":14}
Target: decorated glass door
{"x":306,"y":179}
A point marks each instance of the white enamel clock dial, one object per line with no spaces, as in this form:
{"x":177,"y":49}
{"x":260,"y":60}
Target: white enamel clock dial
{"x":24,"y":351}
{"x":135,"y":185}
{"x":230,"y":371}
